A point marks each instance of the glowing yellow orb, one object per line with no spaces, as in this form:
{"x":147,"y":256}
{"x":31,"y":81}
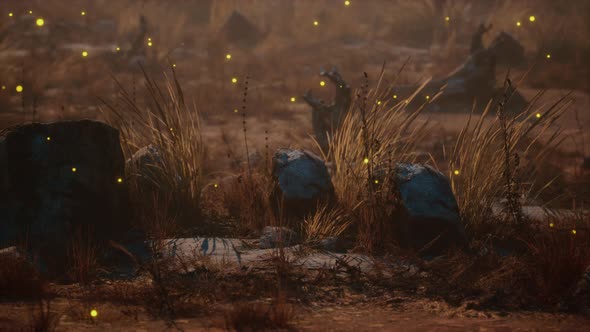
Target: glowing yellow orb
{"x":84,"y":54}
{"x":447,"y":18}
{"x":322,"y":83}
{"x":366,"y":160}
{"x":4,"y":87}
{"x":347,"y":3}
{"x":456,"y":172}
{"x":548,"y":56}
{"x":30,"y":12}
{"x":518,"y":24}
{"x":19,"y":88}
{"x":150,"y":44}
{"x":48,"y":138}
{"x":376,"y":181}
{"x":234,"y":80}
{"x":83,"y":13}
{"x":173,"y":65}
{"x":216,"y":185}
{"x":293,"y":99}
{"x":316,"y":23}
{"x":149,"y":38}
{"x":574,"y":232}
{"x":119,"y":180}
{"x":40,"y":22}
{"x":378,"y":102}
{"x":538,"y":115}
{"x":532,"y":18}
{"x":394,"y":96}
{"x":10,"y":14}
{"x":93,"y":313}
{"x":551,"y":225}
{"x":427,"y":97}
{"x":118,"y":49}
{"x":228,"y":56}
{"x":235,"y":110}
{"x":74,"y":169}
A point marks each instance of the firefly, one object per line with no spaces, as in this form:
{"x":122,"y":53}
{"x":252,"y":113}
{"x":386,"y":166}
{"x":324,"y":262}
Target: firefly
{"x":84,"y":54}
{"x":548,"y":56}
{"x":574,"y":232}
{"x":173,"y":65}
{"x":150,"y":44}
{"x":4,"y":87}
{"x":93,"y":313}
{"x":456,"y":172}
{"x":376,"y":181}
{"x":83,"y":13}
{"x":10,"y":14}
{"x":551,"y":225}
{"x":394,"y":96}
{"x":228,"y":56}
{"x":19,"y":88}
{"x":48,"y":138}
{"x":234,"y":80}
{"x":518,"y":24}
{"x":447,"y":18}
{"x":40,"y":22}
{"x":532,"y":18}
{"x":322,"y":83}
{"x":74,"y":169}
{"x":427,"y":97}
{"x":119,"y":180}
{"x":347,"y":3}
{"x":378,"y":102}
{"x":292,"y":99}
{"x":316,"y":23}
{"x":216,"y":185}
{"x":235,"y":110}
{"x":118,"y":49}
{"x":30,"y":12}
{"x":366,"y":160}
{"x":538,"y":115}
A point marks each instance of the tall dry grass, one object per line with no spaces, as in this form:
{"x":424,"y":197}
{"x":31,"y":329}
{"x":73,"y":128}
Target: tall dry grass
{"x":376,"y":133}
{"x":173,"y":127}
{"x":478,"y":162}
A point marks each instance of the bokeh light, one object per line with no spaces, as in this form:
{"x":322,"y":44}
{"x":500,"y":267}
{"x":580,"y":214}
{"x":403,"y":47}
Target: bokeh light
{"x":234,"y":80}
{"x":19,"y":88}
{"x":40,"y":22}
{"x":518,"y":24}
{"x":215,"y":185}
{"x":84,"y":54}
{"x":10,"y":14}
{"x":574,"y":232}
{"x":228,"y":56}
{"x":83,"y":13}
{"x":293,"y":99}
{"x":456,"y":172}
{"x":447,"y":18}
{"x":316,"y":23}
{"x":347,"y":3}
{"x":551,"y":225}
{"x":548,"y":56}
{"x":366,"y":160}
{"x":532,"y":18}
{"x":74,"y":169}
{"x":48,"y":138}
{"x":322,"y":83}
{"x":119,"y":180}
{"x":394,"y":96}
{"x":538,"y":115}
{"x":93,"y":313}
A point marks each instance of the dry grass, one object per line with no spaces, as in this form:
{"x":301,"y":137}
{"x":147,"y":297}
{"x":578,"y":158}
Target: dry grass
{"x":477,"y":163}
{"x":326,"y":222}
{"x":376,"y":134}
{"x":174,"y":129}
{"x":260,"y":317}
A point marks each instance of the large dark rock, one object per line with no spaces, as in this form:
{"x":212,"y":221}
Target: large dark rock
{"x":430,"y":210}
{"x":238,"y":30}
{"x":57,"y":180}
{"x":302,"y":182}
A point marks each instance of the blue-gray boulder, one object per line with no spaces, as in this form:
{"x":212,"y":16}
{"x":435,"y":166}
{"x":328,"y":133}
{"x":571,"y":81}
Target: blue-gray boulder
{"x":302,"y":182}
{"x":58,"y":179}
{"x":431,"y":210}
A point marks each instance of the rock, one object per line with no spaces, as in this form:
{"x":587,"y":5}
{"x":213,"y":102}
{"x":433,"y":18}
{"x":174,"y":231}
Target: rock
{"x":58,"y":179}
{"x":430,"y":209}
{"x":274,"y":237}
{"x":239,"y":31}
{"x":302,"y":182}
